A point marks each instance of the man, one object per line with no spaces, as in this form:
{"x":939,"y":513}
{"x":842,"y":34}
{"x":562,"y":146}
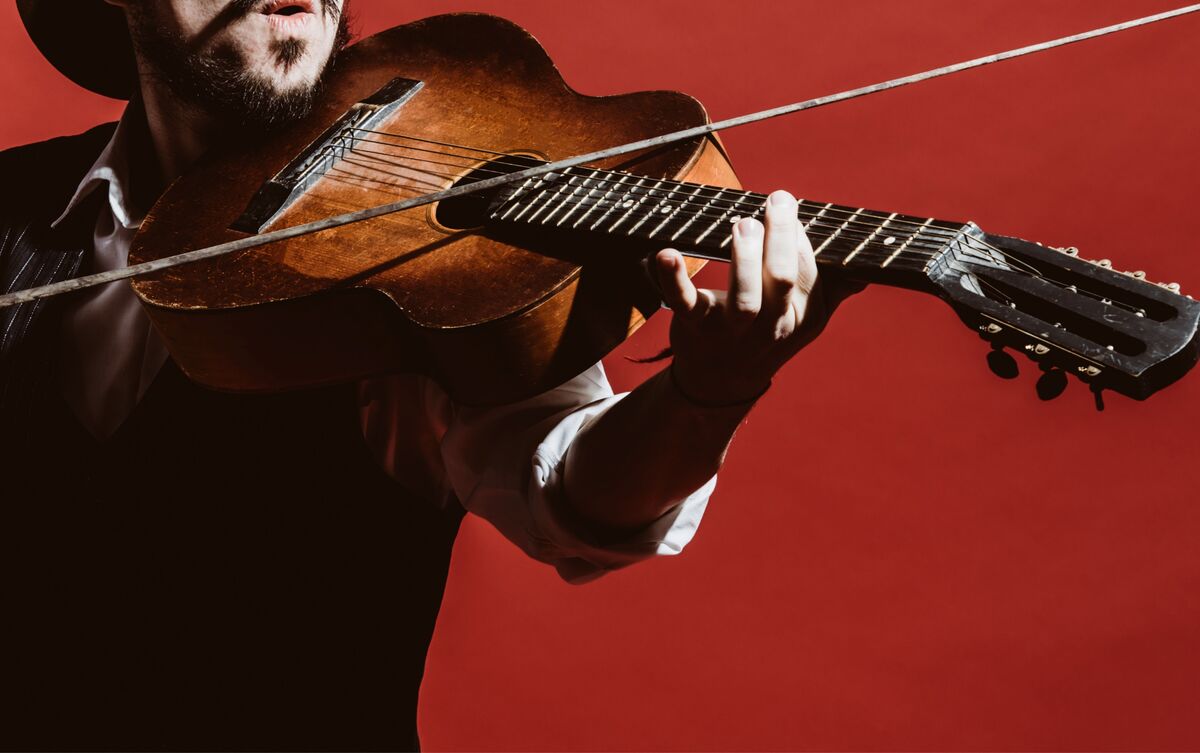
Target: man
{"x":187,"y":569}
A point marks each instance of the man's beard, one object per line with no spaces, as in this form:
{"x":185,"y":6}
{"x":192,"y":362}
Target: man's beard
{"x":217,"y":81}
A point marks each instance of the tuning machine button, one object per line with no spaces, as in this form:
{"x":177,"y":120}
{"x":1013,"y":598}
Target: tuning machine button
{"x":1037,"y":349}
{"x":1051,"y":384}
{"x":1089,"y":371}
{"x":1002,"y":364}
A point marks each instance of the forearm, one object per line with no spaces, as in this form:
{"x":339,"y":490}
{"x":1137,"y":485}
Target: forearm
{"x":645,"y":454}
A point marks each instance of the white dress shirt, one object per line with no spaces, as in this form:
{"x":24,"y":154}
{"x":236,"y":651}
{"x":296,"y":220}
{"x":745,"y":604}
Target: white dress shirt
{"x":503,"y":463}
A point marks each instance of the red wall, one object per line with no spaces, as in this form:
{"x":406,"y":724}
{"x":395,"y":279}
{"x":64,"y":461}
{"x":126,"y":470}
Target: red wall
{"x":905,"y":552}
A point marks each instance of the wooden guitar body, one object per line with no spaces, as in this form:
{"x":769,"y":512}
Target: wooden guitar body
{"x":491,"y":317}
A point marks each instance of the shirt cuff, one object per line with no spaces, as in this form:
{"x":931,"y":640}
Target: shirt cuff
{"x":576,"y":553}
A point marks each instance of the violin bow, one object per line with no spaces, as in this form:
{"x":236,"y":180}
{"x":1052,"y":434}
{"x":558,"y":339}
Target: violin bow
{"x":187,"y":257}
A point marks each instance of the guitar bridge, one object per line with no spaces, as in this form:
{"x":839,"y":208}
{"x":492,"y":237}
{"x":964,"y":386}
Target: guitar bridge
{"x":278,"y":193}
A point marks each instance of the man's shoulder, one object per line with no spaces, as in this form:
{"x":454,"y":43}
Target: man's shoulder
{"x":44,"y":175}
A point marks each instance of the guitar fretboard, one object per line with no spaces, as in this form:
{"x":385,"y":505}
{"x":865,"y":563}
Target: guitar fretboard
{"x":698,"y":219}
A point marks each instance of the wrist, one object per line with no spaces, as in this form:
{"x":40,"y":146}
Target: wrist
{"x":715,"y":399}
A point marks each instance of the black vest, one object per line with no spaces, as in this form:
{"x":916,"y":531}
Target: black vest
{"x":227,"y":571}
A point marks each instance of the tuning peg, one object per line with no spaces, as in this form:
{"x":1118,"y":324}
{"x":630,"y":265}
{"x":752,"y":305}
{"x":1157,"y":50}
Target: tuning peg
{"x":1171,"y":286}
{"x":1002,"y":364}
{"x":1037,"y":349}
{"x":1051,"y":384}
{"x":1068,"y":250}
{"x":1106,"y":263}
{"x":1137,"y":274}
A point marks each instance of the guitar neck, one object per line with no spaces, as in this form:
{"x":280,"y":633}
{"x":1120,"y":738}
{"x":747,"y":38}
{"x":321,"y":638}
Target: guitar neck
{"x":697,"y":220}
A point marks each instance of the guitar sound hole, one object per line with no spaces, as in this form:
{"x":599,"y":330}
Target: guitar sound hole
{"x":471,"y":210}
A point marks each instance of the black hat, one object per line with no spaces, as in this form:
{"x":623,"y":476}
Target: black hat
{"x":86,"y":40}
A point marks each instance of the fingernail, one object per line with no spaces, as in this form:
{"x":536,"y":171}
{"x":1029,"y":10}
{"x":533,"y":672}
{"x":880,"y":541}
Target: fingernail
{"x":778,"y":197}
{"x":749,"y":228}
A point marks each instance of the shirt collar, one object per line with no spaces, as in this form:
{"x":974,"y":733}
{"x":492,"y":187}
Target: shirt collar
{"x":111,"y":169}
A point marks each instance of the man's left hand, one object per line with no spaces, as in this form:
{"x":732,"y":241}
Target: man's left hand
{"x":728,"y":345}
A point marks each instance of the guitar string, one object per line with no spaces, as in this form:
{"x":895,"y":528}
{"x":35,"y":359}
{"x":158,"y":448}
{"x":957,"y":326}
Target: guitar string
{"x":931,"y":230}
{"x":883,"y":252}
{"x":914,"y":243}
{"x":603,"y":204}
{"x":830,"y":210}
{"x":917,"y":241}
{"x":882,"y":255}
{"x":704,"y":187}
{"x":905,"y":250}
{"x":875,"y":250}
{"x":816,"y":226}
{"x":977,"y":244}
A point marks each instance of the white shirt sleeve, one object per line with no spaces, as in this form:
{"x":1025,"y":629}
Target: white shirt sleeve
{"x":505,"y":464}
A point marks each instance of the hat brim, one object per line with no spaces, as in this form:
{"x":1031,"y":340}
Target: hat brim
{"x":86,"y":40}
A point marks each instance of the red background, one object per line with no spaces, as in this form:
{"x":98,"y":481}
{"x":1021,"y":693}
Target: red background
{"x":905,"y":552}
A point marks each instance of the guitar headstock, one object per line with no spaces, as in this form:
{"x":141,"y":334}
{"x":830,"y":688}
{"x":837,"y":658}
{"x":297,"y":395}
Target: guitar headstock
{"x":1114,"y":330}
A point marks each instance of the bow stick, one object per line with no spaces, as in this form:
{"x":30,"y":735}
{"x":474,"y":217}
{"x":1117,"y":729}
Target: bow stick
{"x":187,"y":257}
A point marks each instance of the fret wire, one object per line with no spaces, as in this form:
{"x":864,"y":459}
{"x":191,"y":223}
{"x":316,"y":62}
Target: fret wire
{"x":841,"y":232}
{"x":535,"y":191}
{"x":951,"y":227}
{"x":868,"y":239}
{"x":629,"y":204}
{"x":869,"y":252}
{"x":829,"y":240}
{"x":548,"y":196}
{"x":562,"y":200}
{"x":951,"y":230}
{"x":647,"y":215}
{"x":581,"y":202}
{"x":846,"y":231}
{"x":516,"y":204}
{"x":721,"y":219}
{"x":692,"y":219}
{"x":818,"y":216}
{"x":717,"y":197}
{"x":844,"y":234}
{"x":611,"y":187}
{"x":947,"y":227}
{"x":904,"y":245}
{"x":682,"y":205}
{"x":847,"y":235}
{"x":663,"y":205}
{"x":617,"y":187}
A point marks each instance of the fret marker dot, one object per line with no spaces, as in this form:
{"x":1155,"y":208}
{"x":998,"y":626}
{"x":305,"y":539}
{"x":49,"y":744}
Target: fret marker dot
{"x":733,"y":220}
{"x":889,"y":241}
{"x":628,"y":203}
{"x":665,"y":210}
